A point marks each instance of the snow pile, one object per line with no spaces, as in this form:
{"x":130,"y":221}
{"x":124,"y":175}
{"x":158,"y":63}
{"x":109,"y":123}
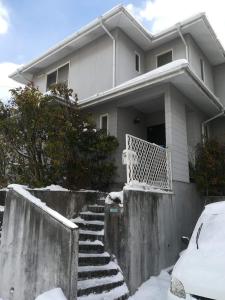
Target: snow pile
{"x":2,"y":208}
{"x":156,"y":288}
{"x":52,"y":187}
{"x":55,"y":294}
{"x":115,"y":197}
{"x":142,"y":186}
{"x":21,"y":189}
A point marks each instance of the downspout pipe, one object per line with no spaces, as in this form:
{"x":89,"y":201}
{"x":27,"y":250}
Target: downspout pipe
{"x":205,"y":123}
{"x":183,"y":40}
{"x":114,"y":50}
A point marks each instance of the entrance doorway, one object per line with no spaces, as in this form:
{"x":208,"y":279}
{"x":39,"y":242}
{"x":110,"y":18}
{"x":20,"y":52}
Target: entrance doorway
{"x":157,"y":135}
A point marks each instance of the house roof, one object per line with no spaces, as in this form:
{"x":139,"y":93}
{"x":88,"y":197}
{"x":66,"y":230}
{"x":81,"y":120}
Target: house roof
{"x":118,"y":17}
{"x":177,"y":73}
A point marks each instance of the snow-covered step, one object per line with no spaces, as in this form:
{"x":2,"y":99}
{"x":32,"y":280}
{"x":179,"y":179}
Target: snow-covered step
{"x":97,"y":208}
{"x":87,"y":272}
{"x":118,"y":293}
{"x":91,"y":216}
{"x":98,"y":276}
{"x":89,"y":225}
{"x":87,"y":259}
{"x":91,"y":246}
{"x":91,"y":235}
{"x":99,"y":285}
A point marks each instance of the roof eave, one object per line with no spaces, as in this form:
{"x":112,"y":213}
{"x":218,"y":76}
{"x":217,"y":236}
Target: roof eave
{"x":83,"y":32}
{"x":113,"y":94}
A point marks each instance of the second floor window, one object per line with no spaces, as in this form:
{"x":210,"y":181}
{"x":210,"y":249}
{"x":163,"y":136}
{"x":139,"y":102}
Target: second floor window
{"x":58,"y":76}
{"x":202,"y":69}
{"x":137,"y":62}
{"x":164,"y":58}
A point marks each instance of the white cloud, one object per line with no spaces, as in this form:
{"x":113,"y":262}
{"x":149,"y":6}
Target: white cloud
{"x":160,"y":14}
{"x":4,"y":18}
{"x":6,"y":68}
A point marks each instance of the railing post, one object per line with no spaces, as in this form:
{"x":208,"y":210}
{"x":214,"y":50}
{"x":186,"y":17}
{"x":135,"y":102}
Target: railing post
{"x":127,"y":165}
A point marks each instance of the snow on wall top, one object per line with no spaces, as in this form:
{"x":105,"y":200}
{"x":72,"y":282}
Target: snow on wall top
{"x":52,"y":187}
{"x":20,"y":189}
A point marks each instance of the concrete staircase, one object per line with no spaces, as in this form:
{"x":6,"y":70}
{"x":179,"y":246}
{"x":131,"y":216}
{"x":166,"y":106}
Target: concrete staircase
{"x":99,"y":278}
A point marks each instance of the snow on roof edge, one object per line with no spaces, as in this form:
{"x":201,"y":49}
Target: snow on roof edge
{"x":22,"y":190}
{"x":106,"y":15}
{"x":172,"y":66}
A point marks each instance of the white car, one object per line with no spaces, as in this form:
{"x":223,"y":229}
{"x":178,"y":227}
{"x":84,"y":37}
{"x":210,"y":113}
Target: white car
{"x":200,"y":271}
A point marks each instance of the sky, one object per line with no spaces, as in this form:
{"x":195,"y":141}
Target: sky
{"x":29,"y":28}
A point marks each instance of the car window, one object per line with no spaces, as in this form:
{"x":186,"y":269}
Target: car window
{"x":209,"y":233}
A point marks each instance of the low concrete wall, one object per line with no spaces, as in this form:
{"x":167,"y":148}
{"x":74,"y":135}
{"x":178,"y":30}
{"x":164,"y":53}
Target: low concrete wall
{"x":68,"y":203}
{"x":145,"y":234}
{"x":39,"y":251}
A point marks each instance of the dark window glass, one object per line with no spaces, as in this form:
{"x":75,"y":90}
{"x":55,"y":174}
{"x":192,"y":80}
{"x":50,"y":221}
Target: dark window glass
{"x":63,"y":73}
{"x":137,"y":62}
{"x":157,"y":134}
{"x":51,"y":79}
{"x":104,"y":123}
{"x":202,"y":69}
{"x":164,"y":59}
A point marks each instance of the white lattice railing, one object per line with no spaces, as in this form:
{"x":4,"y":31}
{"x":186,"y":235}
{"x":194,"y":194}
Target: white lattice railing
{"x":148,"y":163}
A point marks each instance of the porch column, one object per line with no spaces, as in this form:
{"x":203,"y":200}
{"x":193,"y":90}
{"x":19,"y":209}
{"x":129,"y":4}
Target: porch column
{"x":176,"y":133}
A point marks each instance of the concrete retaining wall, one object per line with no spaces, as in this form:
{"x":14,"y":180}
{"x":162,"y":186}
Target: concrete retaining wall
{"x":145,"y":234}
{"x":39,"y":251}
{"x":68,"y":203}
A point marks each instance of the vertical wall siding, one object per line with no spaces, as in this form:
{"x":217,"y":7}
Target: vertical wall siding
{"x":176,"y":133}
{"x":194,"y":134}
{"x":195,"y":54}
{"x":90,"y":69}
{"x":125,"y":58}
{"x":177,"y":47}
{"x":219,"y":75}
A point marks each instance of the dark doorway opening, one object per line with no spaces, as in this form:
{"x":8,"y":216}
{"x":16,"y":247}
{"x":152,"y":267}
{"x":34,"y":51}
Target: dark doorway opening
{"x":157,"y":135}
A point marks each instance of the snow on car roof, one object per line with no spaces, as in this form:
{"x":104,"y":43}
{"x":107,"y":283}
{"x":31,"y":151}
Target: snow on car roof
{"x":215,"y":208}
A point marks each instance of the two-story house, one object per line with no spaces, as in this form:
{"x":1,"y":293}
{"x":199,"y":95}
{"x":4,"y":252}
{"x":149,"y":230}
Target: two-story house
{"x":161,"y":88}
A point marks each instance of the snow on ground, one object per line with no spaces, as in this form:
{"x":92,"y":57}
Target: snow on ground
{"x":55,"y":294}
{"x":2,"y":208}
{"x":156,"y":288}
{"x":52,"y":187}
{"x":113,"y":196}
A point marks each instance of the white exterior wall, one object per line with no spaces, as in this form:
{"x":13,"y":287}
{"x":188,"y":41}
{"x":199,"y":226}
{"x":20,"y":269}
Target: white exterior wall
{"x":219,"y":77}
{"x":90,"y":69}
{"x":126,"y":125}
{"x":194,"y":135}
{"x":176,"y":133}
{"x":125,"y":58}
{"x":111,"y":110}
{"x":195,"y":54}
{"x":175,"y":45}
